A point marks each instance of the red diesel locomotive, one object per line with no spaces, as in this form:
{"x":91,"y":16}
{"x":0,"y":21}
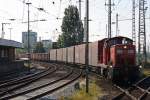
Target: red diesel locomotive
{"x":119,"y":58}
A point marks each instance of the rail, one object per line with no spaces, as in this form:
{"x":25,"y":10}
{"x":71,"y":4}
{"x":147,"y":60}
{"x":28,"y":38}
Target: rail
{"x":138,"y":91}
{"x":6,"y":88}
{"x":25,"y":92}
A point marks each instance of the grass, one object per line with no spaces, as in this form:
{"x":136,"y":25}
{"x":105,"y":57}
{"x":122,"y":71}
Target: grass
{"x":146,"y":71}
{"x":82,"y":95}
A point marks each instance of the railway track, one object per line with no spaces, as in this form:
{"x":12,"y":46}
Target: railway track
{"x":23,"y":77}
{"x":58,"y":79}
{"x":138,"y":91}
{"x":18,"y":83}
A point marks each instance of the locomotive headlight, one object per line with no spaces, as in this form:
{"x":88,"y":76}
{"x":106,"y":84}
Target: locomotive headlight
{"x":111,"y":66}
{"x":125,"y":47}
{"x":140,"y":66}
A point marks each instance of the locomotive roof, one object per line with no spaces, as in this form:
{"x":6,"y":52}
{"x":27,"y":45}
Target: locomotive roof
{"x":119,"y":37}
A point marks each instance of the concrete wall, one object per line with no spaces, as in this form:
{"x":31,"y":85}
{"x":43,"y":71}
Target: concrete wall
{"x":11,"y":67}
{"x":7,"y":53}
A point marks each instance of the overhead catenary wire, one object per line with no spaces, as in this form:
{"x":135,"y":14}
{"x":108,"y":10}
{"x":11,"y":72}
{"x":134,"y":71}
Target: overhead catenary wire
{"x":40,"y":9}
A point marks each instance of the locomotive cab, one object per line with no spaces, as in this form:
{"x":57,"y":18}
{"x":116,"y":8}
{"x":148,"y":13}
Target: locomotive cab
{"x":123,"y":54}
{"x":120,"y":57}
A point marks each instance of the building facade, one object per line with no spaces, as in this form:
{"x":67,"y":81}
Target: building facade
{"x":47,"y":44}
{"x":8,"y":62}
{"x":32,"y":40}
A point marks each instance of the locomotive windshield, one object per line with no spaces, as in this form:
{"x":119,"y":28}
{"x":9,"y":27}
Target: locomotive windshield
{"x":119,"y":40}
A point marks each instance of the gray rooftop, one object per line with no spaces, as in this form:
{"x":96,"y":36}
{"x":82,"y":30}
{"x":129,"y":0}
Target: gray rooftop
{"x":10,"y":43}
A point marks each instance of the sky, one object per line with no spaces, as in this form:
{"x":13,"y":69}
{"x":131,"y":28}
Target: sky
{"x":16,"y":9}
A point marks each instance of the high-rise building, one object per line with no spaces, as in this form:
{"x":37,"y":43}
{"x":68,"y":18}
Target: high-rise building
{"x":32,"y":40}
{"x":47,"y":44}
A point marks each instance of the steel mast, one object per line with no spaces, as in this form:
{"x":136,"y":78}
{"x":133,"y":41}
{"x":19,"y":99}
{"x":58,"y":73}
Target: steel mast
{"x":142,"y":57}
{"x":133,"y":23}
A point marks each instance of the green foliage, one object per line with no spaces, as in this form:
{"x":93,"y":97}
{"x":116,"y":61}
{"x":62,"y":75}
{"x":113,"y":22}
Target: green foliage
{"x":39,"y":48}
{"x":146,"y":71}
{"x":60,"y":41}
{"x":94,"y":92}
{"x":72,"y":28}
{"x":18,"y":50}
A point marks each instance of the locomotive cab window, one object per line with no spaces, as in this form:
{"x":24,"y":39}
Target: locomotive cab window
{"x":118,"y":40}
{"x":126,"y":41}
{"x":131,"y":51}
{"x":119,"y":51}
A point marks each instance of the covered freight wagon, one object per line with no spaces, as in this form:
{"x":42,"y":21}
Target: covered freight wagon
{"x":53,"y":54}
{"x":64,"y":58}
{"x":60,"y":55}
{"x":71,"y":54}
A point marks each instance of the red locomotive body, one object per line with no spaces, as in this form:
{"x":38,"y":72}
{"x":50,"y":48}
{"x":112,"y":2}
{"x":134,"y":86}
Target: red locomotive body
{"x":119,"y":57}
{"x":123,"y":55}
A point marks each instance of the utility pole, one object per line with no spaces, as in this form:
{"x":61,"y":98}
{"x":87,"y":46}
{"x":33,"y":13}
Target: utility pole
{"x":133,"y":23}
{"x":28,"y":4}
{"x":84,"y":39}
{"x":117,"y":29}
{"x":80,"y":9}
{"x":3,"y":33}
{"x":109,"y":19}
{"x":142,"y":58}
{"x":87,"y":44}
{"x":10,"y":32}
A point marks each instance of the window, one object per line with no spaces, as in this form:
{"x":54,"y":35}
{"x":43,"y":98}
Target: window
{"x":2,"y":53}
{"x":119,"y":51}
{"x":131,"y":51}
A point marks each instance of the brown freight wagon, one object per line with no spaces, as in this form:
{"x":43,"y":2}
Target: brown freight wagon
{"x":44,"y":56}
{"x":77,"y":54}
{"x":93,"y":54}
{"x":96,"y":53}
{"x":60,"y":55}
{"x":81,"y":54}
{"x":64,"y":50}
{"x":53,"y":53}
{"x":71,"y":54}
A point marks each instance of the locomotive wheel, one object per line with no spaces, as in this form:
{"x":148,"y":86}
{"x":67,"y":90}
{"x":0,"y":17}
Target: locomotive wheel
{"x":109,"y":76}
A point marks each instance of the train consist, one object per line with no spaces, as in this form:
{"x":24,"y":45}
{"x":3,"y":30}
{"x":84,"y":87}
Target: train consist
{"x":114,"y":58}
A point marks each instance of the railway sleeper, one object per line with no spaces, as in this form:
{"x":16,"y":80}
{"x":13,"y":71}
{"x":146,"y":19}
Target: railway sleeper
{"x":136,"y":92}
{"x":146,"y":96}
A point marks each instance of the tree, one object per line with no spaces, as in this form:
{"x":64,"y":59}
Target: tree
{"x":60,"y":41}
{"x":72,"y":28}
{"x":39,"y":48}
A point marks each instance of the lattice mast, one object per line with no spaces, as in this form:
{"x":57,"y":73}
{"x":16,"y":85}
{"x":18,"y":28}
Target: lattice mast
{"x":133,"y":23}
{"x":142,"y":34}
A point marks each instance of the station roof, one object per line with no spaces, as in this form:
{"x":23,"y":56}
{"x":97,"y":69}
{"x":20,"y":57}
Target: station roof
{"x":10,"y":43}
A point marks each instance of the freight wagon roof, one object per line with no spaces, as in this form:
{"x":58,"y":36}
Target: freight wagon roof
{"x":10,"y":43}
